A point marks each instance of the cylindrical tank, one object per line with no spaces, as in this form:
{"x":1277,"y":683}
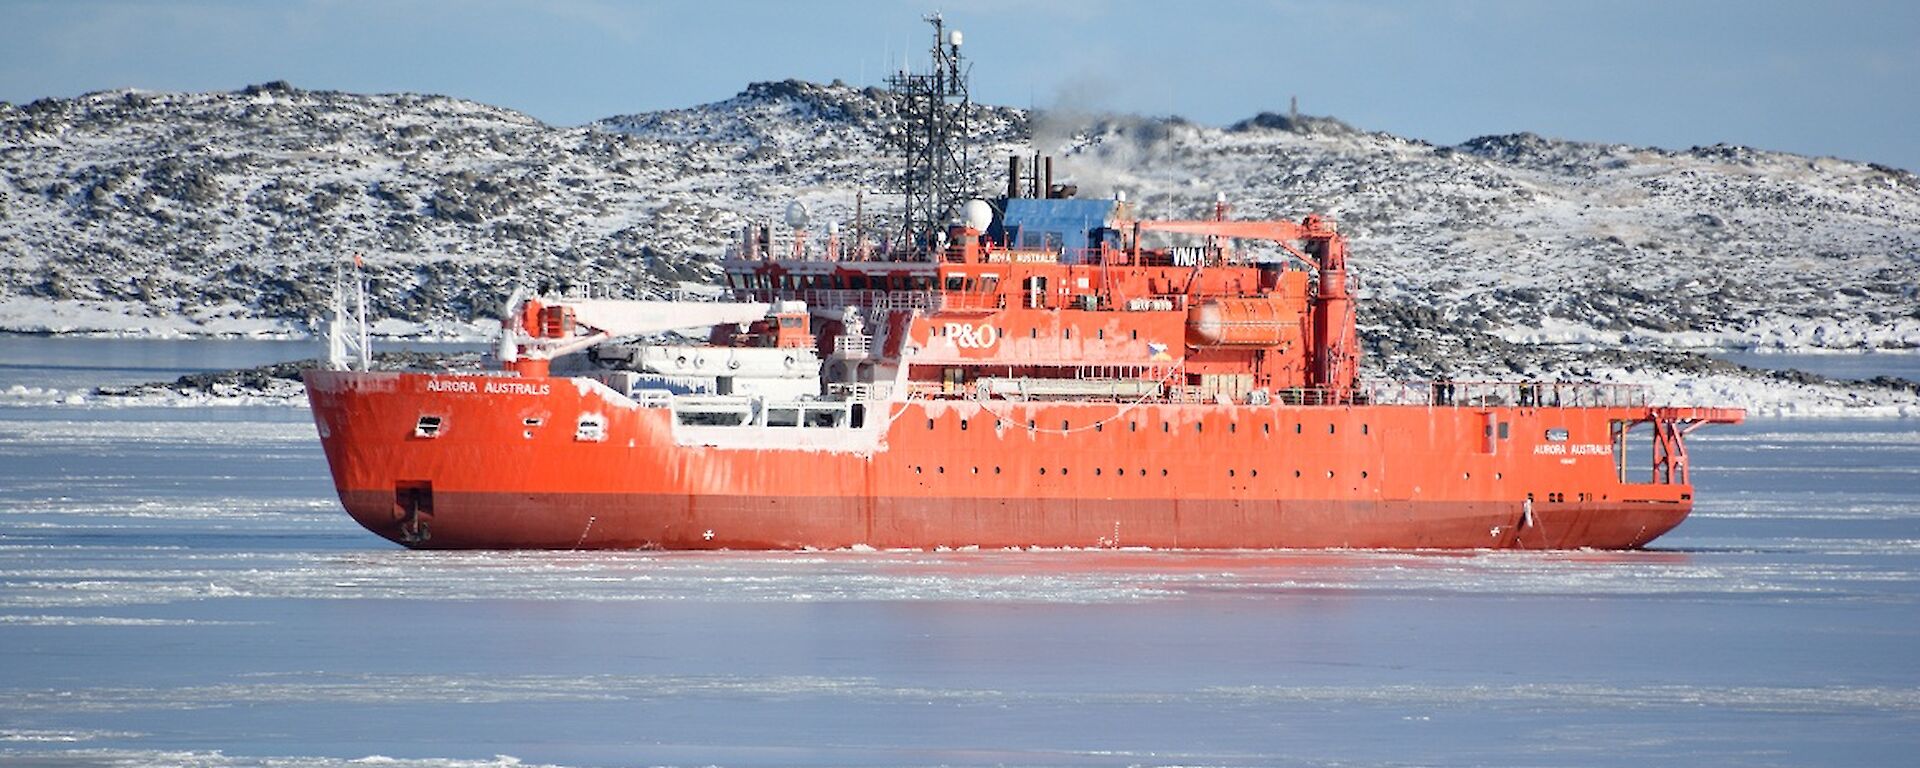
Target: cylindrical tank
{"x":1241,"y":323}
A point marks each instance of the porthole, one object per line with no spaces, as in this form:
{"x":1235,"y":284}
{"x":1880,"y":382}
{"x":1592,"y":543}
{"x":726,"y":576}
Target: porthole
{"x":976,"y":470}
{"x":1229,"y":473}
{"x":1096,"y":471}
{"x":1233,"y":427}
{"x":1364,"y":429}
{"x":1043,"y":470}
{"x":1199,"y":426}
{"x":1064,"y":427}
{"x":1296,"y":473}
{"x":1296,"y":429}
{"x":1329,"y":429}
{"x":1363,"y":474}
{"x":1143,"y":471}
{"x":963,"y":425}
{"x":940,"y":470}
{"x":1166,"y":426}
{"x":996,"y":470}
{"x":1329,"y":474}
{"x":929,"y":423}
{"x":1266,"y":429}
{"x":1163,"y":471}
{"x":1253,"y":472}
{"x":1099,"y":426}
{"x":1063,"y":470}
{"x":1133,"y":426}
{"x":1466,"y":475}
{"x":1498,"y":475}
{"x":916,"y":469}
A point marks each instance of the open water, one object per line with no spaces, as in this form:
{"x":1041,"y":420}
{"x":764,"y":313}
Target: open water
{"x":178,"y":587}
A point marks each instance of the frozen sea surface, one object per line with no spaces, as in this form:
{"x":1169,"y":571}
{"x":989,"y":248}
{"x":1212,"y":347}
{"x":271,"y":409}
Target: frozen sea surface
{"x":178,"y":587}
{"x":1899,"y":364}
{"x":39,"y":369}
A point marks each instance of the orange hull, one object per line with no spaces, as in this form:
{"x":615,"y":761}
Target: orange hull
{"x":509,"y":469}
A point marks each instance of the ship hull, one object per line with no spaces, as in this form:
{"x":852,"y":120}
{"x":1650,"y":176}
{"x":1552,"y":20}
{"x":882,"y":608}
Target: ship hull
{"x":508,"y":466}
{"x":502,"y":520}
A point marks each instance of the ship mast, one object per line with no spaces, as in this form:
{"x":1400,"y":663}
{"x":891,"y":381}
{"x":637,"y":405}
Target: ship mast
{"x":934,"y":106}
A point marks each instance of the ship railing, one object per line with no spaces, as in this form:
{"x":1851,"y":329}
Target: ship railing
{"x":969,"y":301}
{"x":863,"y":298}
{"x":852,"y":345}
{"x":861,"y":391}
{"x":1439,"y":393}
{"x":934,"y":390}
{"x":1470,"y":394}
{"x":708,"y":295}
{"x":1120,"y":371}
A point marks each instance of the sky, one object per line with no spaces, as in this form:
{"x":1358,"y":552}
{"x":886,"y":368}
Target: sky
{"x":1833,"y":78}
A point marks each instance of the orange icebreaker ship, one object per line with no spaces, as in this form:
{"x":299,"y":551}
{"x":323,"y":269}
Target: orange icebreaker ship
{"x":1033,"y":370}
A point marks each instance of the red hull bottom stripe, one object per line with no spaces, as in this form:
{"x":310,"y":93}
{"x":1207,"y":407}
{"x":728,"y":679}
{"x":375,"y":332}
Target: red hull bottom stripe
{"x":629,"y":521}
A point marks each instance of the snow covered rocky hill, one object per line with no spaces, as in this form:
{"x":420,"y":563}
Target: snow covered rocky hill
{"x":226,"y":213}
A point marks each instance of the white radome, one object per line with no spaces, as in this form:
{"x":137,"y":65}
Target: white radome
{"x":798,"y":215}
{"x":977,"y":214}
